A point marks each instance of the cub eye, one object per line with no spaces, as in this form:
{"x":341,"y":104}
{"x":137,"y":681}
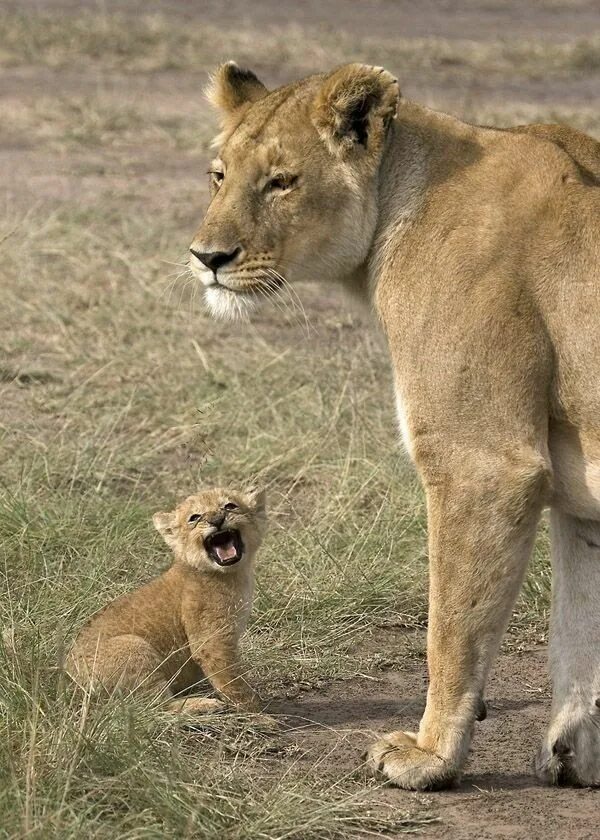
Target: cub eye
{"x":280,"y":183}
{"x":230,"y":506}
{"x":194,"y":518}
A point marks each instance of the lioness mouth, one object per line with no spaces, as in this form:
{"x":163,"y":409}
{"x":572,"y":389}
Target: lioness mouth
{"x":224,"y":547}
{"x":261,"y":283}
{"x":251,"y":290}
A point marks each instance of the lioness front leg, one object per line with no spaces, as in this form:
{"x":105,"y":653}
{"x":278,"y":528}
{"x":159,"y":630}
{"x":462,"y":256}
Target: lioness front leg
{"x":482,"y":521}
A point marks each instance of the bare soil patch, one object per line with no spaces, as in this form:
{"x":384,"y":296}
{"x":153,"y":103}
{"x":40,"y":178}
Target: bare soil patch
{"x":499,"y":795}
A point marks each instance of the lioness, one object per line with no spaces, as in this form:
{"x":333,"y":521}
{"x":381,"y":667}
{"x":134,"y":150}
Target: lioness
{"x":184,"y":625}
{"x":479,"y":250}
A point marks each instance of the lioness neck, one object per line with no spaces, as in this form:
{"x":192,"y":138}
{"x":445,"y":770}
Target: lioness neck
{"x":423,"y":147}
{"x":400,"y":186}
{"x":404,"y":166}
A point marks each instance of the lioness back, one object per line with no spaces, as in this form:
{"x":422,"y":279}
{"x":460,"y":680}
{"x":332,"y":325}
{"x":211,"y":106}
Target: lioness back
{"x":583,"y":149}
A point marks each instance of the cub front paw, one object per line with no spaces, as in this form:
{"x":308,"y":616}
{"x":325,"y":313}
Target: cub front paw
{"x":397,"y":758}
{"x":243,"y":699}
{"x":198,"y":705}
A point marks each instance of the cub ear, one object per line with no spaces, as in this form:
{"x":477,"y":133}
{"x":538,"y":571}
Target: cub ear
{"x":231,"y":86}
{"x":166,"y":525}
{"x":257,"y":497}
{"x":354,"y":107}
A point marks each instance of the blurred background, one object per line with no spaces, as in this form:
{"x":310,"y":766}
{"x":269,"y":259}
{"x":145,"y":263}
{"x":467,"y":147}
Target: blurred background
{"x":118,"y":395}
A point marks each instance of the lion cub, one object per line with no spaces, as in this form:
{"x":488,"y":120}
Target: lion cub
{"x":185,"y":625}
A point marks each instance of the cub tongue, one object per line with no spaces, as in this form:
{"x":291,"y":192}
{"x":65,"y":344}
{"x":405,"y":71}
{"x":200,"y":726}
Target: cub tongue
{"x":227,"y":551}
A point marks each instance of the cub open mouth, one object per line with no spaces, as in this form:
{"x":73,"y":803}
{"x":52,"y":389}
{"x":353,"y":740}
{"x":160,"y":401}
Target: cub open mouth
{"x":224,"y":547}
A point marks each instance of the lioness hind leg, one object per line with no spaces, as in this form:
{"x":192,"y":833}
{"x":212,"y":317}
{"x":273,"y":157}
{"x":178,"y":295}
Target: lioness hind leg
{"x":481,"y":529}
{"x":570,"y":753}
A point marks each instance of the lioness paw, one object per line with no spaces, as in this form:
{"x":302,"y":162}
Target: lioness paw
{"x":397,"y":758}
{"x":570,"y":754}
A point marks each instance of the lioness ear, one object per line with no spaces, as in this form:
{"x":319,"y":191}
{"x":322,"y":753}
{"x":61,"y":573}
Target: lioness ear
{"x":354,"y":107}
{"x":232,"y":86}
{"x":166,"y":525}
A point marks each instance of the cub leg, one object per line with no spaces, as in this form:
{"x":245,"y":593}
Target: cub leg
{"x":194,"y":705}
{"x":218,"y":656}
{"x":122,"y":663}
{"x":128,"y":663}
{"x":570,"y":752}
{"x":481,"y":530}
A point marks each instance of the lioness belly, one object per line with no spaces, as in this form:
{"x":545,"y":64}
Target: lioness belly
{"x":576,"y":466}
{"x":403,"y":427}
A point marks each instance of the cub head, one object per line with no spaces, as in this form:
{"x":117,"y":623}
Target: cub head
{"x":294,"y":183}
{"x":218,"y":529}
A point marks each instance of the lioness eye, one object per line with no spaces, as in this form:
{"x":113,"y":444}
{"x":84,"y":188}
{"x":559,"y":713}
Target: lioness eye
{"x":282,"y":182}
{"x":216,"y":176}
{"x":194,"y":518}
{"x":230,"y":506}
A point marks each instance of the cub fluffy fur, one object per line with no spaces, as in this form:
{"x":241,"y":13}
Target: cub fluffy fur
{"x":479,"y":250}
{"x":184,"y":625}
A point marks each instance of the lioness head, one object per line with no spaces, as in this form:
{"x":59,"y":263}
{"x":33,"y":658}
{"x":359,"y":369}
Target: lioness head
{"x":216,"y":529}
{"x":294,"y":182}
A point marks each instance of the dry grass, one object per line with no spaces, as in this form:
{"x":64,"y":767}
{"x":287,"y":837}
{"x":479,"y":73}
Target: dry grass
{"x":151,"y":43}
{"x":72,"y":122}
{"x":129,"y":770}
{"x":134,"y":401}
{"x":113,"y":440}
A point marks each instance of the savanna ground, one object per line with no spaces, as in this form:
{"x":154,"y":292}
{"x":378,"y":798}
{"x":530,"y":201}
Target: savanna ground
{"x":118,"y":395}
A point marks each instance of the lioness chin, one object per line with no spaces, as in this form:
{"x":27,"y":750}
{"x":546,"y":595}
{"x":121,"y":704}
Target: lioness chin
{"x":479,"y":250}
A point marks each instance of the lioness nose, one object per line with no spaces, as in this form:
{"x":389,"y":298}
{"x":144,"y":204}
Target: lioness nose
{"x":215,"y":259}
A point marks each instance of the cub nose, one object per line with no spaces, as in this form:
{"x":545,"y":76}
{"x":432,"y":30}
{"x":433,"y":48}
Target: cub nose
{"x":216,"y":519}
{"x":215,"y":259}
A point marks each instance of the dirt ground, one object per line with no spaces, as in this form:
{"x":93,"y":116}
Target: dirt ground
{"x":332,"y":724}
{"x":499,"y":796}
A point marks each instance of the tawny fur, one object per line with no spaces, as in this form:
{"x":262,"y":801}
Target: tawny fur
{"x":479,"y":251}
{"x":185,"y":625}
